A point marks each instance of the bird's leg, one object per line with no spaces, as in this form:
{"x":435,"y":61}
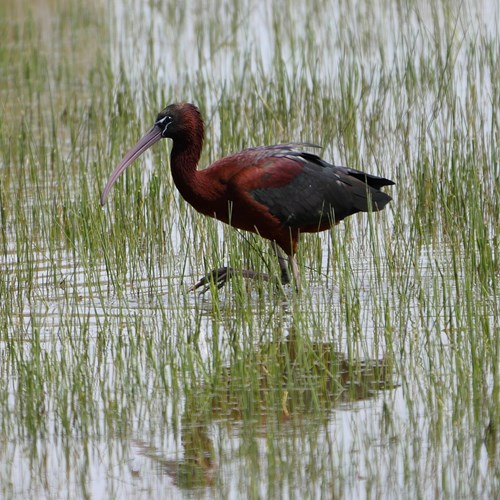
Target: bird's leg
{"x":218,"y":276}
{"x":222,"y":275}
{"x":295,"y":270}
{"x":286,"y":263}
{"x":282,"y":260}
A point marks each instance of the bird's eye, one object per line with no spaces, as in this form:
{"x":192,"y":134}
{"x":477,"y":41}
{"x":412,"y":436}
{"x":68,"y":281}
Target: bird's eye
{"x":163,"y":121}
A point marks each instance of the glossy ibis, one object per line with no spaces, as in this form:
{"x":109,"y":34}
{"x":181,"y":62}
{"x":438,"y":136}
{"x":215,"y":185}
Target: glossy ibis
{"x":276,"y":191}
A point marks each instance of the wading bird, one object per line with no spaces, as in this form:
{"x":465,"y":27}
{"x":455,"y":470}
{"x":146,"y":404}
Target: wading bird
{"x":276,"y":191}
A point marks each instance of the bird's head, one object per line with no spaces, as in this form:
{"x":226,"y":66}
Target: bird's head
{"x":180,"y":122}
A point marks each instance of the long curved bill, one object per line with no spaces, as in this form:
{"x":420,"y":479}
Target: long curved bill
{"x":149,"y":138}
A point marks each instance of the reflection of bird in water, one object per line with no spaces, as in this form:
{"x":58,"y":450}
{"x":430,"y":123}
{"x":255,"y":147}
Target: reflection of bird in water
{"x":196,"y":468}
{"x":294,"y":380}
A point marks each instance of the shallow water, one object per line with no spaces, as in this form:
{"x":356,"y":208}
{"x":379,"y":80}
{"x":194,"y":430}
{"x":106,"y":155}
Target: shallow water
{"x":381,"y":380}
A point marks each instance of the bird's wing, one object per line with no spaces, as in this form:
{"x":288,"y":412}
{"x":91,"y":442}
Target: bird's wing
{"x":301,"y":189}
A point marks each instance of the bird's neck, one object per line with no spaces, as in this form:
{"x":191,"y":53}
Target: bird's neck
{"x":184,"y":159}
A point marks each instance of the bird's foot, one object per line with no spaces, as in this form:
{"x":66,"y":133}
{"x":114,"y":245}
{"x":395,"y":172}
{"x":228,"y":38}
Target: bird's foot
{"x":219,"y":277}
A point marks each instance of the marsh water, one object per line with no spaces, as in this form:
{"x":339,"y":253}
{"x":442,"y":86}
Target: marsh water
{"x":378,"y":380}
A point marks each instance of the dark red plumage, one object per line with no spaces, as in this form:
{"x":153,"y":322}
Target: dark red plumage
{"x":276,"y":191}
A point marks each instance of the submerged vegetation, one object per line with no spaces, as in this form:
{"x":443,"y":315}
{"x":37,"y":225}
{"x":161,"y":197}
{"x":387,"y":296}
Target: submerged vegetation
{"x":380,"y":380}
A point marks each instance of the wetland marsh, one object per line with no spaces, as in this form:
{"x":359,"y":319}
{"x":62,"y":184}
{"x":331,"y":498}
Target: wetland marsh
{"x":380,"y":380}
